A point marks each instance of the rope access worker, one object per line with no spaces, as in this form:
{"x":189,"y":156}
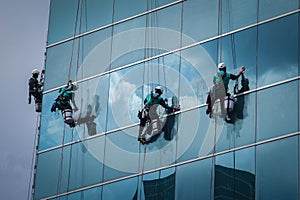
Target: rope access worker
{"x":149,"y":114}
{"x":62,"y":102}
{"x":220,"y":90}
{"x":35,"y":89}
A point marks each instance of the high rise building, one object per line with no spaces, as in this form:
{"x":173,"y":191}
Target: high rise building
{"x":119,"y":50}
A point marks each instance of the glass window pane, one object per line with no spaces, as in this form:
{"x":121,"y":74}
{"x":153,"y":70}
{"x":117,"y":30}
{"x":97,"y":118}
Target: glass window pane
{"x":85,"y":59}
{"x":90,"y":194}
{"x":193,"y":180}
{"x":234,"y":175}
{"x":270,"y":8}
{"x":278,"y":50}
{"x":240,"y":129}
{"x":128,"y":8}
{"x":277,"y":169}
{"x":62,"y":19}
{"x":52,"y":125}
{"x":91,"y":14}
{"x":129,"y":87}
{"x":52,"y":173}
{"x":198,"y":142}
{"x":199,"y":14}
{"x":86,"y":163}
{"x":238,"y":50}
{"x":238,"y":13}
{"x":282,"y":101}
{"x":158,"y":185}
{"x":153,"y":31}
{"x":123,"y":154}
{"x":125,"y":189}
{"x":91,"y":99}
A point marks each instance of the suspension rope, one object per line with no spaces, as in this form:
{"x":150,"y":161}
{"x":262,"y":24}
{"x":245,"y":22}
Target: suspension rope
{"x":73,"y":42}
{"x":32,"y":173}
{"x":61,"y":162}
{"x":108,"y":92}
{"x":216,"y":119}
{"x":81,"y":38}
{"x":70,"y":162}
{"x":220,"y":30}
{"x":233,"y":51}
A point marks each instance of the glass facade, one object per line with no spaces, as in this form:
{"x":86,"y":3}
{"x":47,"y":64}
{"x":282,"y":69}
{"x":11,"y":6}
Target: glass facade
{"x":119,"y":50}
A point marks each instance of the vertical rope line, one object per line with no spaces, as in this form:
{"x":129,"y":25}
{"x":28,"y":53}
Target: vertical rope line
{"x":233,"y":50}
{"x":212,"y":177}
{"x":146,"y":65}
{"x":108,"y":92}
{"x":70,"y":162}
{"x":84,"y":129}
{"x":72,"y":52}
{"x":33,"y":158}
{"x":256,"y":93}
{"x":81,"y":38}
{"x":220,"y":30}
{"x":179,"y":84}
{"x":61,"y":162}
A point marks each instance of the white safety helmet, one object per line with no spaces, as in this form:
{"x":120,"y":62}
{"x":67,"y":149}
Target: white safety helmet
{"x":75,"y":86}
{"x":221,"y":65}
{"x":159,"y":88}
{"x":35,"y":71}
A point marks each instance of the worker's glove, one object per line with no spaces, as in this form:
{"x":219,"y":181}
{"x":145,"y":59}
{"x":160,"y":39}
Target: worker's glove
{"x":53,"y":108}
{"x":176,"y":108}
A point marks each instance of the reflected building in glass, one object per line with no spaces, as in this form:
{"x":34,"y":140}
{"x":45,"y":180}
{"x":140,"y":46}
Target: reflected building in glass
{"x":118,"y":51}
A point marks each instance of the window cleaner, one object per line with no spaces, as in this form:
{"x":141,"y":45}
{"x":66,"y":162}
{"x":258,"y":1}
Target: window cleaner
{"x":149,"y":115}
{"x":220,"y":91}
{"x":36,"y":89}
{"x":62,"y":102}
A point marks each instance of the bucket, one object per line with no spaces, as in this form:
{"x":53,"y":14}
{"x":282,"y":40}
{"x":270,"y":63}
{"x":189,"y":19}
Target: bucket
{"x":229,"y":103}
{"x":67,"y":114}
{"x":38,"y":106}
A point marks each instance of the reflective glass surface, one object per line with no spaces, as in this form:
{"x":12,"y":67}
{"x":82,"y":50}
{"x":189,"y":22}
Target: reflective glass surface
{"x":278,"y":50}
{"x":129,"y":87}
{"x":270,"y":8}
{"x":86,"y":165}
{"x":126,"y":189}
{"x":53,"y":131}
{"x":109,"y":102}
{"x":52,"y":173}
{"x":153,"y":31}
{"x":90,"y":118}
{"x":238,"y":50}
{"x":234,"y":175}
{"x":194,"y":180}
{"x":123,"y":154}
{"x":277,"y":170}
{"x":195,"y":138}
{"x":85,"y":15}
{"x":89,"y":194}
{"x":158,"y":185}
{"x":200,"y":20}
{"x":240,"y":128}
{"x":238,"y":13}
{"x":281,"y":116}
{"x":81,"y":58}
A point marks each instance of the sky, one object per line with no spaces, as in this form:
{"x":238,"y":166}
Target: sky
{"x":23,"y":36}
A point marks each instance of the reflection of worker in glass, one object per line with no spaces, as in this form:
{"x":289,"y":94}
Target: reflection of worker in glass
{"x":62,"y":102}
{"x":220,"y":89}
{"x":149,"y":114}
{"x":88,"y":114}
